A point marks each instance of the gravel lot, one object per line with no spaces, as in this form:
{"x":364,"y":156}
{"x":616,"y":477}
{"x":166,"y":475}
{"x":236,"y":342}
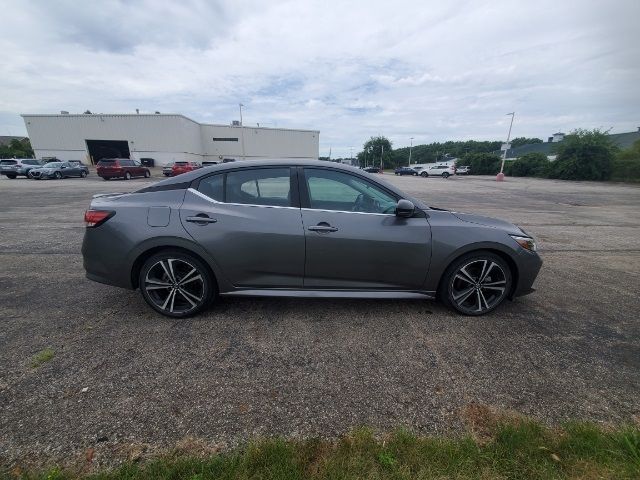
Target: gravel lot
{"x":124,"y":379}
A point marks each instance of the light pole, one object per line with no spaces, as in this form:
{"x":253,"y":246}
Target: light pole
{"x":500,"y":176}
{"x":242,"y":130}
{"x":351,"y":155}
{"x":410,"y":148}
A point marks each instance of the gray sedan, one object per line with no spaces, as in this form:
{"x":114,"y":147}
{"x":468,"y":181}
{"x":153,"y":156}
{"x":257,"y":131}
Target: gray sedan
{"x":59,"y":170}
{"x":286,"y":228}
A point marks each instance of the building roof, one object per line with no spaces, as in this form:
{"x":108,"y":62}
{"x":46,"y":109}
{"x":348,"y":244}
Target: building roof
{"x":156,"y":115}
{"x":621,"y":140}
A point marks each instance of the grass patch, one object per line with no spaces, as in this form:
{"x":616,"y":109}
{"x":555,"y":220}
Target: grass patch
{"x":43,"y":356}
{"x":520,"y":449}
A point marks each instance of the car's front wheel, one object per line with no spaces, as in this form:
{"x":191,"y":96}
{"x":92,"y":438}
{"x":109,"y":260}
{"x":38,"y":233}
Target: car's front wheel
{"x":176,"y":284}
{"x":57,"y":175}
{"x":83,"y":174}
{"x":147,"y":174}
{"x":476,"y":283}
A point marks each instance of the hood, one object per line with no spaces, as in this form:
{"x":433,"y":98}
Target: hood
{"x":489,"y":222}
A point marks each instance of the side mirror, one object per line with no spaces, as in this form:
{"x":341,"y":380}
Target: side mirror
{"x":405,"y":208}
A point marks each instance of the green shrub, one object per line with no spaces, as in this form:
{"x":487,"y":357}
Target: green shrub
{"x":482,"y":163}
{"x":626,"y":166}
{"x":530,"y":165}
{"x":584,"y":155}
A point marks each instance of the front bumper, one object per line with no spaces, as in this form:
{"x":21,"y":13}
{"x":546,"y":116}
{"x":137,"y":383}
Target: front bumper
{"x":528,"y":264}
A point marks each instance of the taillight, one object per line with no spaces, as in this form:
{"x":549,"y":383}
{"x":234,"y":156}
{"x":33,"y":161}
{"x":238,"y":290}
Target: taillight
{"x":94,"y":218}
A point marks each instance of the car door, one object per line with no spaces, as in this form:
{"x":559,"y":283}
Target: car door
{"x":354,"y":240}
{"x":249,"y":220}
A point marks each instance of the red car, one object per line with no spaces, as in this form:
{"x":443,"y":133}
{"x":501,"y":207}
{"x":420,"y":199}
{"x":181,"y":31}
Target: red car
{"x":121,"y":168}
{"x":183,"y":167}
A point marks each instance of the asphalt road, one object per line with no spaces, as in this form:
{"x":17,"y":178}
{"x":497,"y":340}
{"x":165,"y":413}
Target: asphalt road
{"x":125,"y":379}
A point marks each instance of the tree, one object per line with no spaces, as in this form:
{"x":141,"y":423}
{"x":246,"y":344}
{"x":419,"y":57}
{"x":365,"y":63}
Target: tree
{"x":375,"y":148}
{"x":626,"y":164}
{"x":533,"y":164}
{"x":519,"y":141}
{"x":482,"y":163}
{"x":584,"y":155}
{"x":17,"y":149}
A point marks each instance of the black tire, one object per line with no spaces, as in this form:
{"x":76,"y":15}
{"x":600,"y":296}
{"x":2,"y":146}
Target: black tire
{"x":464,"y":288}
{"x":12,"y":177}
{"x":83,"y":174}
{"x":57,"y":175}
{"x":445,"y":174}
{"x":147,"y":174}
{"x":424,"y":174}
{"x":127,"y":175}
{"x":105,"y":178}
{"x":192,"y":299}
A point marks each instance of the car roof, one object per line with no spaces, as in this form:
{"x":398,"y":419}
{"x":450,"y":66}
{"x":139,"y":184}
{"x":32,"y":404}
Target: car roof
{"x":186,"y":178}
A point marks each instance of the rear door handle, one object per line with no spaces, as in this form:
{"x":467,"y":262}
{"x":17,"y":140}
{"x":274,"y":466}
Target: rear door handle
{"x":323,"y":228}
{"x":201,"y":219}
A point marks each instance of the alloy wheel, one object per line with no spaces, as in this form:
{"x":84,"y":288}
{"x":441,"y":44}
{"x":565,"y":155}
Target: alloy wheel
{"x":478,"y":286}
{"x":175,"y":286}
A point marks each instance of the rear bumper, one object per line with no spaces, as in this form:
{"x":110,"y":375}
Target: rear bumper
{"x":104,"y":257}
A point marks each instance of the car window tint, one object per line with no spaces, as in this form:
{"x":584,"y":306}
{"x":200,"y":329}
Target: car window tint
{"x":212,"y":187}
{"x":260,"y":186}
{"x":331,"y":190}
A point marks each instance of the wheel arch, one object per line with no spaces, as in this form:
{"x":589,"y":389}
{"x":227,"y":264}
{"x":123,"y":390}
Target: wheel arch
{"x":513,"y":266}
{"x":149,"y":252}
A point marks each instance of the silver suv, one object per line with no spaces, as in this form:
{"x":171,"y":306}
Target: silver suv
{"x":18,"y":167}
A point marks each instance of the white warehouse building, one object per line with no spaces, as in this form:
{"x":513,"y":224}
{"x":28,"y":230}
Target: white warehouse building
{"x":163,"y":137}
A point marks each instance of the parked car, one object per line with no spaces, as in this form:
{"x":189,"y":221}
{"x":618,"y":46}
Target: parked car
{"x":126,"y":168}
{"x":405,"y":171}
{"x":167,"y":170}
{"x":18,"y":167}
{"x":184,"y":167}
{"x":299,"y":228}
{"x":208,"y":163}
{"x":57,"y":170}
{"x":463,"y":170}
{"x":79,"y":164}
{"x":372,"y":169}
{"x":444,"y":171}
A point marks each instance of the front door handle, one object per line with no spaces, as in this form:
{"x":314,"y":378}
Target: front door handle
{"x":202,"y":219}
{"x":323,"y":228}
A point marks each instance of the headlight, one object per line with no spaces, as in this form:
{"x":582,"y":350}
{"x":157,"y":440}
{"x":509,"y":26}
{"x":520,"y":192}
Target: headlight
{"x":527,"y":243}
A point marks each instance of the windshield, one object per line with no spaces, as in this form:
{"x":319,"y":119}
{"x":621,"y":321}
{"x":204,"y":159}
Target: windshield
{"x":53,"y":165}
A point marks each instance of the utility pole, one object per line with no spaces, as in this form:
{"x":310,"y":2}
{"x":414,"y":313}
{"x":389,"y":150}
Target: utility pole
{"x":242,"y":131}
{"x":381,"y":158}
{"x":500,"y":176}
{"x":410,"y":148}
{"x":351,"y":155}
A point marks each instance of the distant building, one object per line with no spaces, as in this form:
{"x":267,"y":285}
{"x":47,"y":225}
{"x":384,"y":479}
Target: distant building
{"x":622,"y":140}
{"x":163,"y":137}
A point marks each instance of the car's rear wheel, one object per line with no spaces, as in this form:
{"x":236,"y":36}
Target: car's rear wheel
{"x":12,"y":177}
{"x":476,"y":283}
{"x":127,"y":176}
{"x":176,"y":284}
{"x":424,"y":174}
{"x":445,"y":174}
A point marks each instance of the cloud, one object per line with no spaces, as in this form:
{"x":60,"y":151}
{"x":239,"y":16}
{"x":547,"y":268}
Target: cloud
{"x":428,"y":70}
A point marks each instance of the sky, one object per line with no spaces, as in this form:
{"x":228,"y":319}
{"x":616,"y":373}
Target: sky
{"x":434,"y":71}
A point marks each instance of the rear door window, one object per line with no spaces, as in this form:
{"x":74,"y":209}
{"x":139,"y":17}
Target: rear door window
{"x":260,"y":186}
{"x":8,"y":162}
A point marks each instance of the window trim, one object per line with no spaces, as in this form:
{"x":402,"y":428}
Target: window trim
{"x":305,"y":199}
